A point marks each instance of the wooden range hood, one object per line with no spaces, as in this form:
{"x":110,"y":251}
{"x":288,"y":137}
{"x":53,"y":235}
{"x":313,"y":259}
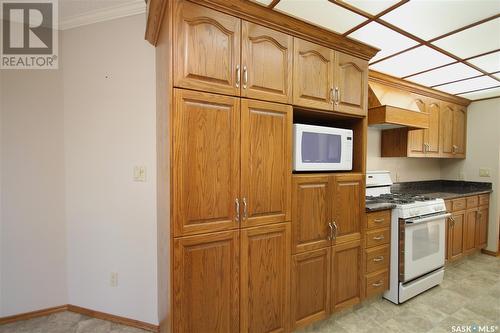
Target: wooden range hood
{"x":389,"y":107}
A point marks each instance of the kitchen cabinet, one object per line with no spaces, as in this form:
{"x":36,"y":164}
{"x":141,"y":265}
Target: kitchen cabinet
{"x":266,"y":162}
{"x":453,"y":129}
{"x":266,"y":59}
{"x":313,"y":72}
{"x":346,"y":266}
{"x":456,"y":225}
{"x":469,"y":232}
{"x":311,"y":287}
{"x":207,"y":49}
{"x":206,"y":162}
{"x":459,"y":131}
{"x":482,"y":227}
{"x":351,"y":84}
{"x":206,"y":283}
{"x":265,"y":278}
{"x":327,"y":210}
{"x":431,"y":135}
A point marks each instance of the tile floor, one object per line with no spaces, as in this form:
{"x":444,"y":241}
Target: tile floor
{"x":469,"y":295}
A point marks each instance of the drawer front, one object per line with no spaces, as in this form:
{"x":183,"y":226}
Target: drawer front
{"x":378,"y":219}
{"x":378,"y":237}
{"x":377,"y":258}
{"x":458,"y":204}
{"x":472,"y":202}
{"x":449,"y":208}
{"x":484,"y":199}
{"x":376,"y":283}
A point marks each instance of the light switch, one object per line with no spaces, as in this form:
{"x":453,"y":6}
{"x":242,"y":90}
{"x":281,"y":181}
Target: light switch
{"x":140,"y":173}
{"x":484,"y":172}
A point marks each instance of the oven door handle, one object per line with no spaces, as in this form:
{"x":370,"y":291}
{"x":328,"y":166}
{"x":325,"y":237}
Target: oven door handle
{"x":427,"y":219}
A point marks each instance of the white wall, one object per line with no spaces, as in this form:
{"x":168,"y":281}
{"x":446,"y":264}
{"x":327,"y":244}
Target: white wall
{"x":109,"y":111}
{"x":483,"y":151}
{"x":32,"y":231}
{"x":402,"y":168}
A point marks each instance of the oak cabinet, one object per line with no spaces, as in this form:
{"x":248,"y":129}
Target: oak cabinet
{"x":348,"y":204}
{"x":351,"y":84}
{"x":482,"y":227}
{"x":346,"y":284}
{"x":266,"y":162}
{"x":207,"y":49}
{"x":313,"y":72}
{"x":311,"y":212}
{"x":455,"y":235}
{"x":266,"y":59}
{"x":469,"y":233}
{"x":206,"y":162}
{"x":310,"y":291}
{"x":265,"y":278}
{"x":206,"y":283}
{"x":453,"y":129}
{"x":459,"y":131}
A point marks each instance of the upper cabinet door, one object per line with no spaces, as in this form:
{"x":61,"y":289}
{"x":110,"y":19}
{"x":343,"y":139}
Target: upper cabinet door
{"x":416,"y":138}
{"x":348,"y":204}
{"x":459,"y":131}
{"x":432,"y":134}
{"x":311,"y":212}
{"x":313,"y":69}
{"x":446,"y":128}
{"x":351,"y":95}
{"x":206,"y":162}
{"x":207,"y":49}
{"x":266,"y":60}
{"x":266,"y":163}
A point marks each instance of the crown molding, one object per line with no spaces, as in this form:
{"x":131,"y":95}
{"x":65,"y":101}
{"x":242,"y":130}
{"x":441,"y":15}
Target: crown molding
{"x":101,"y":15}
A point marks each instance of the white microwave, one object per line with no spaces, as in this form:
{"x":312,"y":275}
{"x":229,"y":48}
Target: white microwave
{"x":320,"y":148}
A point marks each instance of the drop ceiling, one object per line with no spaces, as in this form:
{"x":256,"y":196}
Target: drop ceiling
{"x":448,"y":45}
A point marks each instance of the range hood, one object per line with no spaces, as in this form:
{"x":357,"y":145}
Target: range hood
{"x":389,"y":107}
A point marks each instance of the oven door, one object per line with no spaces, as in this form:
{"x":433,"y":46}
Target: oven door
{"x":424,"y":245}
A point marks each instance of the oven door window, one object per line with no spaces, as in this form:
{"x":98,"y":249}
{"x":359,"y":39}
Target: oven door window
{"x":321,"y":148}
{"x":425,"y":242}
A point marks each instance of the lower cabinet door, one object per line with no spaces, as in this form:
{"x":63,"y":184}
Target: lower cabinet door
{"x":311,"y":278}
{"x":346,"y":277}
{"x":206,"y":283}
{"x":482,"y":227}
{"x":470,"y":231}
{"x":265,"y":278}
{"x":455,"y":236}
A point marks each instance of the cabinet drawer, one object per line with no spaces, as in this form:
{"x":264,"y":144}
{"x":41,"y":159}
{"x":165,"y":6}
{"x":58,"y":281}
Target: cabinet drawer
{"x":377,"y":258}
{"x":458,"y":204}
{"x":378,"y":237}
{"x":472,"y":202}
{"x":376,"y":283}
{"x":378,"y":219}
{"x":484,"y":199}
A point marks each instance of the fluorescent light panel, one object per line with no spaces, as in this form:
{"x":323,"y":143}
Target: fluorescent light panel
{"x":482,"y":94}
{"x":469,"y":85}
{"x":322,"y":13}
{"x":489,"y":63}
{"x":371,"y":6}
{"x":445,"y":74}
{"x":388,"y":41}
{"x":413,"y":61}
{"x":263,"y":2}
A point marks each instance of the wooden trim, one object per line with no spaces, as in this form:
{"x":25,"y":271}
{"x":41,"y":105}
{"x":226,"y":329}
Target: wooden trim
{"x":395,"y":82}
{"x":267,"y":17}
{"x":273,"y":4}
{"x":33,"y":314}
{"x":113,"y":318}
{"x":491,"y":253}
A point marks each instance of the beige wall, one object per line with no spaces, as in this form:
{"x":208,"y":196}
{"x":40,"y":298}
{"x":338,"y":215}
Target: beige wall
{"x":402,"y":169}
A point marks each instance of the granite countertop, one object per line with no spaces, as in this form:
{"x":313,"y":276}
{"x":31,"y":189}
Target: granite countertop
{"x":377,"y":206}
{"x":445,"y":189}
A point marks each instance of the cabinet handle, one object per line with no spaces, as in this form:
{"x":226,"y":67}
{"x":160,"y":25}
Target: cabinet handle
{"x":245,"y":77}
{"x":237,"y":206}
{"x":330,"y":236}
{"x":454,"y":149}
{"x":379,"y":258}
{"x":238,"y":76}
{"x":336,"y":229}
{"x":379,"y":220}
{"x":245,"y":209}
{"x":377,"y":284}
{"x":332,"y":96}
{"x":378,"y":237}
{"x":337,"y":94}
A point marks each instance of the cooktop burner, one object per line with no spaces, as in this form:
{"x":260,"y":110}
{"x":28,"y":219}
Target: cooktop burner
{"x":398,"y":198}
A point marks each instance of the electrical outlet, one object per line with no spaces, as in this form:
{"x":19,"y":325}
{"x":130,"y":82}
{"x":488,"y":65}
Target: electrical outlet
{"x":484,"y":172}
{"x":140,"y":173}
{"x":113,"y":281}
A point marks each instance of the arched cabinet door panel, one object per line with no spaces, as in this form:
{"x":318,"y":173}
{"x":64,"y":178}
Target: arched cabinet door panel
{"x":351,"y":78}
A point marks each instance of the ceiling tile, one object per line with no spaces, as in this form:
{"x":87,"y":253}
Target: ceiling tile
{"x":413,"y":61}
{"x":469,"y":85}
{"x":322,"y":13}
{"x":429,"y":19}
{"x":489,"y":63}
{"x":370,"y":6}
{"x":476,"y":40}
{"x":494,"y":92}
{"x":445,"y":74}
{"x":263,"y":2}
{"x":497,"y":76}
{"x":387,"y":40}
